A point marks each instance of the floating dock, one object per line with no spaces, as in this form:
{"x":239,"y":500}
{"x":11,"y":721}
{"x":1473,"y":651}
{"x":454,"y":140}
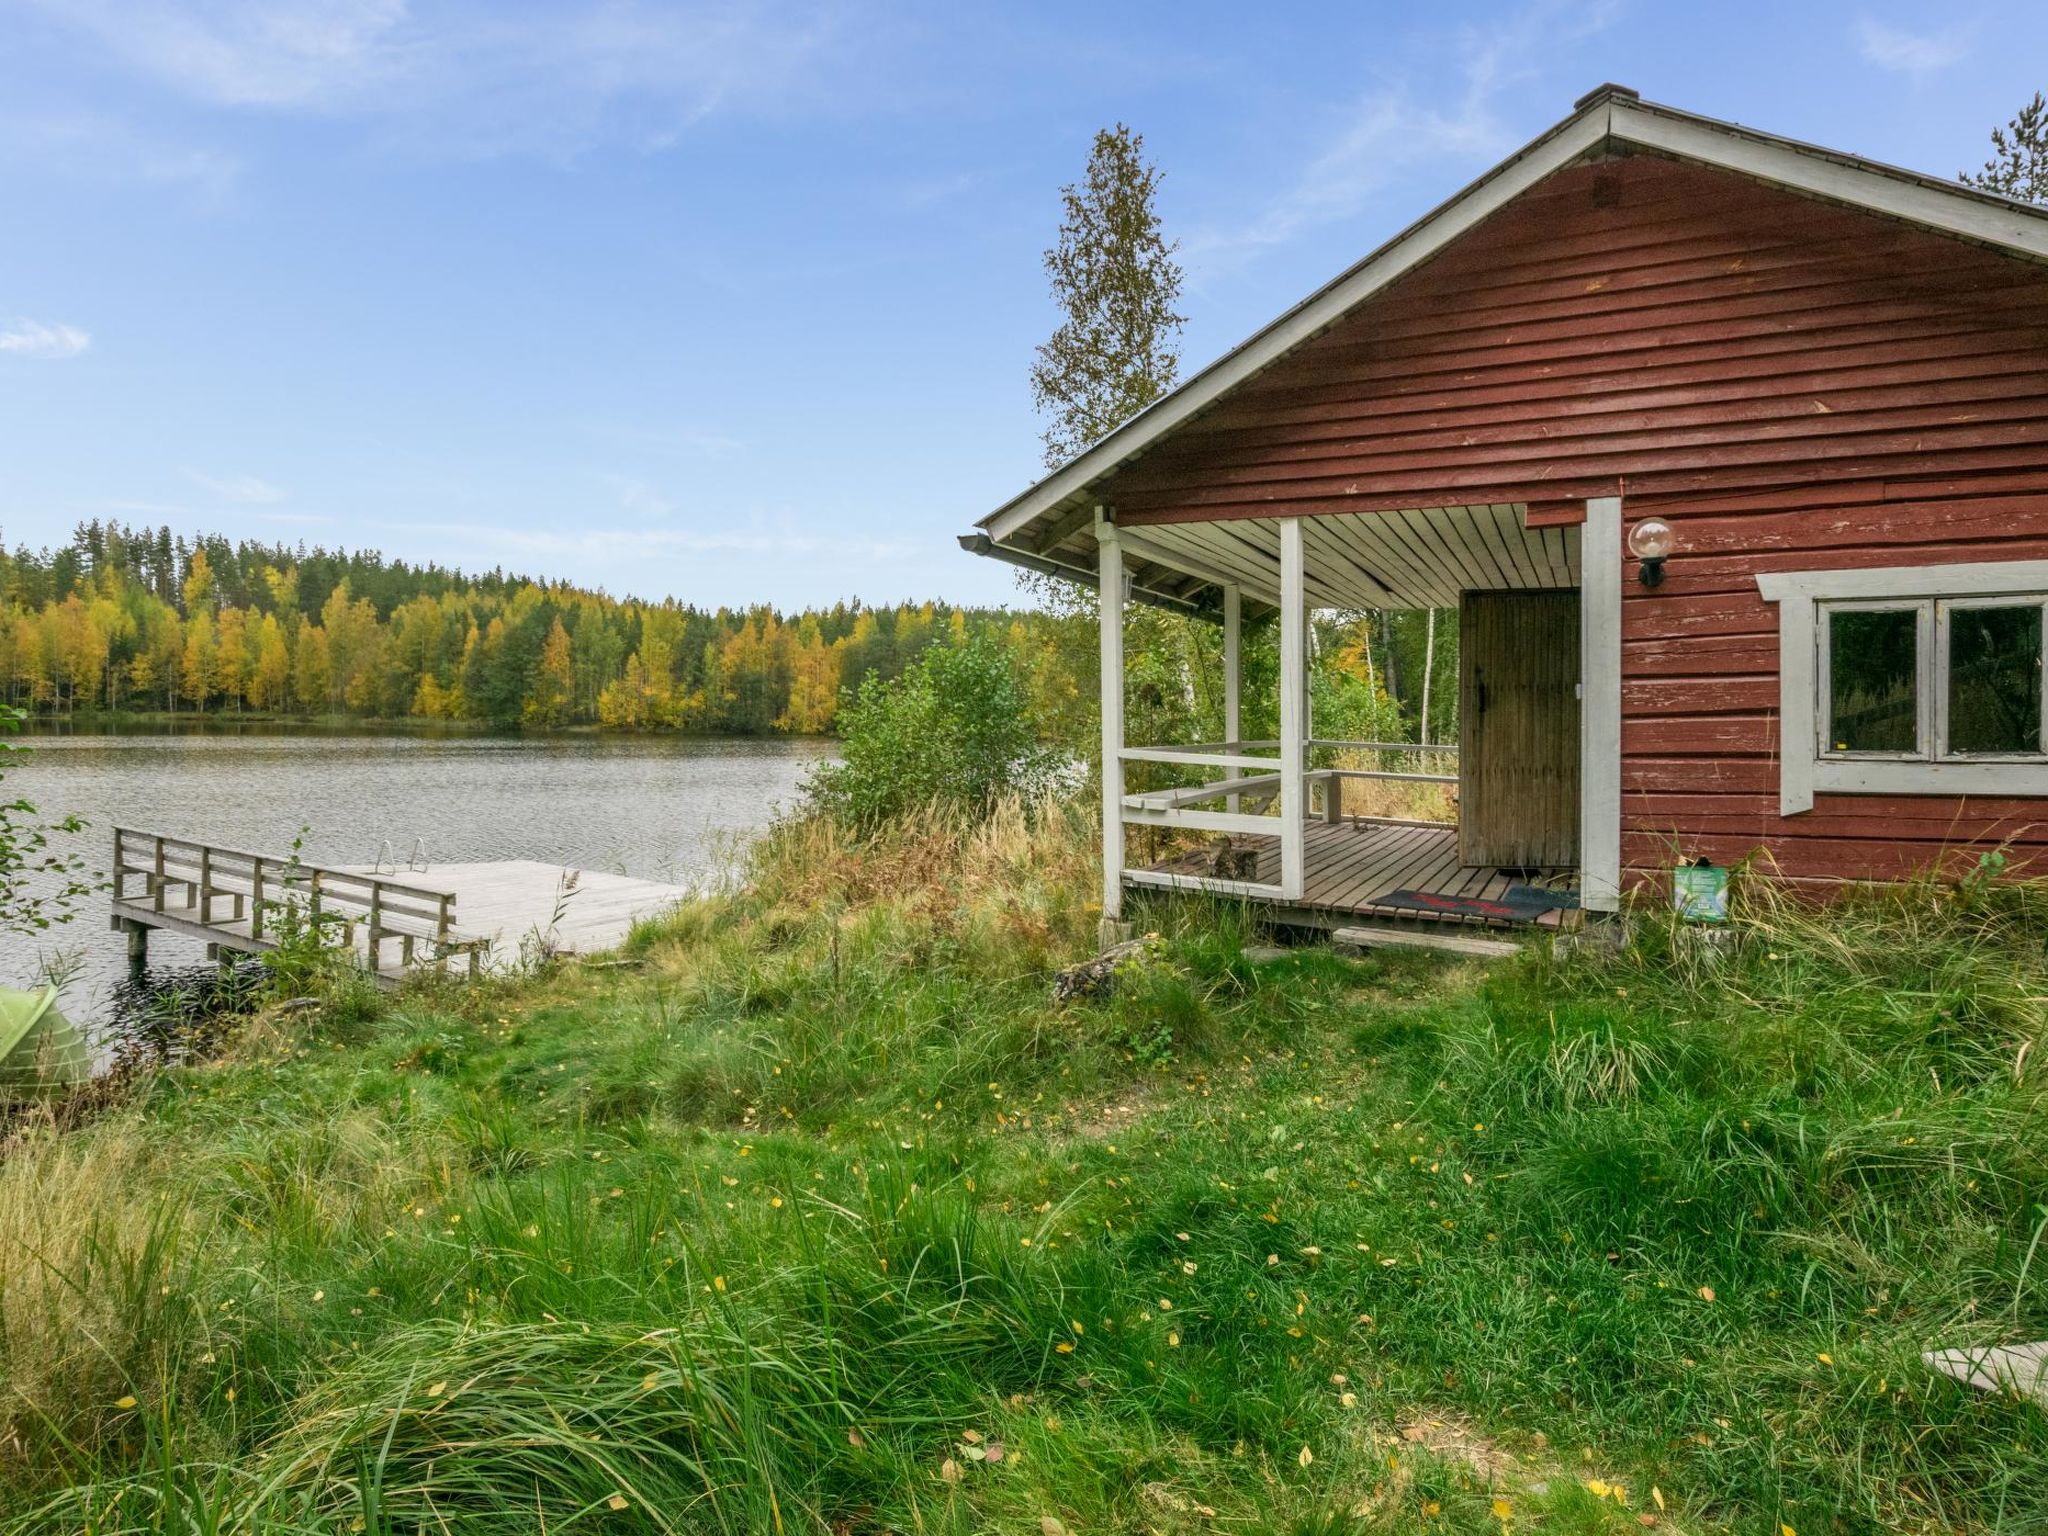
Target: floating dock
{"x":477,"y":917}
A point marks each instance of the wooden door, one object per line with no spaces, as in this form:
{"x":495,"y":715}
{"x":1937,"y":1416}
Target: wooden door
{"x":1518,"y":728}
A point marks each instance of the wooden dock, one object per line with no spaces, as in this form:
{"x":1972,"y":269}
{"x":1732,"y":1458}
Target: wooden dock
{"x":478,"y":917}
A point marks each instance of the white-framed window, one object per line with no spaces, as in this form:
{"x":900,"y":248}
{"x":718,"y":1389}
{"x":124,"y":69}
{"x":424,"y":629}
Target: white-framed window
{"x":1912,"y":680}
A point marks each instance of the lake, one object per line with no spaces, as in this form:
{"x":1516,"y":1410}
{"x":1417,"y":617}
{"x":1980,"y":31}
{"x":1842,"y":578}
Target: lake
{"x":664,"y":808}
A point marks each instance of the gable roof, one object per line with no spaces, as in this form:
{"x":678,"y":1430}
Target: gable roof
{"x":1609,"y":117}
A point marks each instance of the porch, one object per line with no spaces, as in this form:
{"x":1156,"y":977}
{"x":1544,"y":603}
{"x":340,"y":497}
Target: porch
{"x":1351,"y":866}
{"x":1279,"y":822}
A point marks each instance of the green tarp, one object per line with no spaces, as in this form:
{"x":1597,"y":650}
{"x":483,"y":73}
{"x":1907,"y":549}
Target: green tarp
{"x":41,"y":1051}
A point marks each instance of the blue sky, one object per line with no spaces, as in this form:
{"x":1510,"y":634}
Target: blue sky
{"x":734,"y":302}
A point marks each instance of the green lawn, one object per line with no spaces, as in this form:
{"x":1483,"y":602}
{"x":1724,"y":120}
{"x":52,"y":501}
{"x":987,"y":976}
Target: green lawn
{"x":824,"y":1218}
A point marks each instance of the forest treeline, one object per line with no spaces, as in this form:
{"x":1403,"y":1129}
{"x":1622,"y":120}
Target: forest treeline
{"x":142,"y":620}
{"x":137,"y":619}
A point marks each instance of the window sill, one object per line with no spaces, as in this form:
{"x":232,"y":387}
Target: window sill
{"x":1880,"y":776}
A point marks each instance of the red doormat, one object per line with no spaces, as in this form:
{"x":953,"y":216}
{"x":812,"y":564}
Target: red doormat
{"x":1517,"y":904}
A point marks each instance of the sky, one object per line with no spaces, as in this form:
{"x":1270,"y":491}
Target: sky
{"x":735,"y":302}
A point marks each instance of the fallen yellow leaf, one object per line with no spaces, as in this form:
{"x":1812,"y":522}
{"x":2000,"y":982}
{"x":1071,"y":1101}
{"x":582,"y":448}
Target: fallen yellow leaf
{"x":1306,"y":1457}
{"x":124,"y":1402}
{"x":617,"y":1501}
{"x":1503,"y":1510}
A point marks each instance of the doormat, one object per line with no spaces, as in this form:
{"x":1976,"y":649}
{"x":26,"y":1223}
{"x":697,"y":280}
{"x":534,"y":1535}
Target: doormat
{"x":1517,"y":904}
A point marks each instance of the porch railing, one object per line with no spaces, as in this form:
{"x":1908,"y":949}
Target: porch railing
{"x":1255,"y":773}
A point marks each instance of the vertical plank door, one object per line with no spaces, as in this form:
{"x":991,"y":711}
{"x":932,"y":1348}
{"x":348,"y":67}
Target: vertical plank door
{"x":1518,"y":721}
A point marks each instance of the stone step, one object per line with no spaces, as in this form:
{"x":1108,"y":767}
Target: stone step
{"x":1377,"y":936}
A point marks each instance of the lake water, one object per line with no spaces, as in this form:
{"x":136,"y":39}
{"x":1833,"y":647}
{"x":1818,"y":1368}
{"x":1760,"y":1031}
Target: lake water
{"x":664,"y":809}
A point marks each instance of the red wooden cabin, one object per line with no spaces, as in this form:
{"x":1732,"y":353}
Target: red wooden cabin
{"x":1827,"y":379}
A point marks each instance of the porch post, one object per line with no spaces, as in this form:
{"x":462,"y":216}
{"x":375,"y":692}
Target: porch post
{"x":1110,"y":565}
{"x":1600,"y":565}
{"x":1233,"y":677}
{"x":1293,"y":721}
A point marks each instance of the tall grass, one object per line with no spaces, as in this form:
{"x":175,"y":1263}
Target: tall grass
{"x":824,"y":1218}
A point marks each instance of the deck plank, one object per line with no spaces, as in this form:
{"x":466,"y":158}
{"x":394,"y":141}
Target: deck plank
{"x":1348,"y":864}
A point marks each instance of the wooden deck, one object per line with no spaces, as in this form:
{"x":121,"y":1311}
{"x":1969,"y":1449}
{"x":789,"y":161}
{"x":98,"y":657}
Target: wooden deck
{"x":476,"y":917}
{"x":515,"y":904}
{"x":1347,"y":864}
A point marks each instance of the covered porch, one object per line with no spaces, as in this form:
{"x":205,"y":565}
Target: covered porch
{"x":1279,"y":821}
{"x":1351,"y":867}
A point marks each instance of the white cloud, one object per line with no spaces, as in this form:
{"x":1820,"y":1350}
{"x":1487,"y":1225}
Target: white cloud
{"x":682,"y":442}
{"x":474,"y":76}
{"x":1408,"y":122}
{"x":1912,"y":53}
{"x":42,"y":338}
{"x":75,"y":146}
{"x":243,"y":488}
{"x":640,"y":498}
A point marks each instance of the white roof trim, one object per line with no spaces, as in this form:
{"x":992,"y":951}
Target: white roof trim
{"x":1947,"y":208}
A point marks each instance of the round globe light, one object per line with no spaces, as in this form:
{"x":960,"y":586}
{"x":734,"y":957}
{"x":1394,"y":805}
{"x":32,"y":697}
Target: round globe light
{"x":1651,"y":539}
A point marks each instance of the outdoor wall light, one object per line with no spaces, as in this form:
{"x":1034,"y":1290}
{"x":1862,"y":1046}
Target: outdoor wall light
{"x":1650,"y":542}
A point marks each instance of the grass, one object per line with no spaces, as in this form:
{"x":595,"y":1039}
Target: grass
{"x":823,"y":1218}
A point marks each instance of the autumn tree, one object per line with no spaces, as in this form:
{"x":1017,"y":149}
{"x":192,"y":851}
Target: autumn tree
{"x":555,"y":682}
{"x":270,"y":676}
{"x":199,"y":591}
{"x":2018,"y":166}
{"x":1115,"y":281}
{"x":202,"y":658}
{"x":312,"y":677}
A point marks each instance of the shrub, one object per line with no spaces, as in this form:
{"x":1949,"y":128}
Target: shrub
{"x":953,"y":731}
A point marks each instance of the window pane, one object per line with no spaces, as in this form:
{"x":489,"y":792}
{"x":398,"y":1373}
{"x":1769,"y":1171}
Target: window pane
{"x":1994,"y":679}
{"x":1873,"y":703}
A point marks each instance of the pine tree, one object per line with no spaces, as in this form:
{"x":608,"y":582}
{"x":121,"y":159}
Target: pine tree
{"x":2018,"y":166}
{"x":1114,"y":278}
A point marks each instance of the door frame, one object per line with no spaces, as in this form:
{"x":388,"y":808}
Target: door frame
{"x":1472,"y":752}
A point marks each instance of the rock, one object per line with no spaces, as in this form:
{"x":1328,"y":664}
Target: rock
{"x":1097,"y":978}
{"x":2021,"y":1368}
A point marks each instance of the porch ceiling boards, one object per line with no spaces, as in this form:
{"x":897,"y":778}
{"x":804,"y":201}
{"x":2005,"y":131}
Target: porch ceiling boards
{"x":1420,"y":557}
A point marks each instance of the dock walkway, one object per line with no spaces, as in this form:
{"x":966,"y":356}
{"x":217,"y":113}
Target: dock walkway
{"x":480,"y":916}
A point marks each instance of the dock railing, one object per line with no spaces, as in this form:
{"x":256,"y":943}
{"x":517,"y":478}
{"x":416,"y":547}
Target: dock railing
{"x":237,"y":897}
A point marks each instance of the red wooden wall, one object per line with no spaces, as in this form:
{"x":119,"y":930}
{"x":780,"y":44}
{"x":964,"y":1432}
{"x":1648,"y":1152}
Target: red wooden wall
{"x":1792,"y":385}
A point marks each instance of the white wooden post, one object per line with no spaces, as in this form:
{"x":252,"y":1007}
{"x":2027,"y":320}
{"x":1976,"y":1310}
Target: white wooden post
{"x":1293,"y":721}
{"x":1110,"y":564}
{"x":1308,"y":699}
{"x":1600,"y":562}
{"x":1233,"y":675}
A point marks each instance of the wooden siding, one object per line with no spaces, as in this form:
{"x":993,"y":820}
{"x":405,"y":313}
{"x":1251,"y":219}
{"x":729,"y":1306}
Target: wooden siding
{"x":1791,"y":384}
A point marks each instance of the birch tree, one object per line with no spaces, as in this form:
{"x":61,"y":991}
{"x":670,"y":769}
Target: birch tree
{"x":1116,"y":283}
